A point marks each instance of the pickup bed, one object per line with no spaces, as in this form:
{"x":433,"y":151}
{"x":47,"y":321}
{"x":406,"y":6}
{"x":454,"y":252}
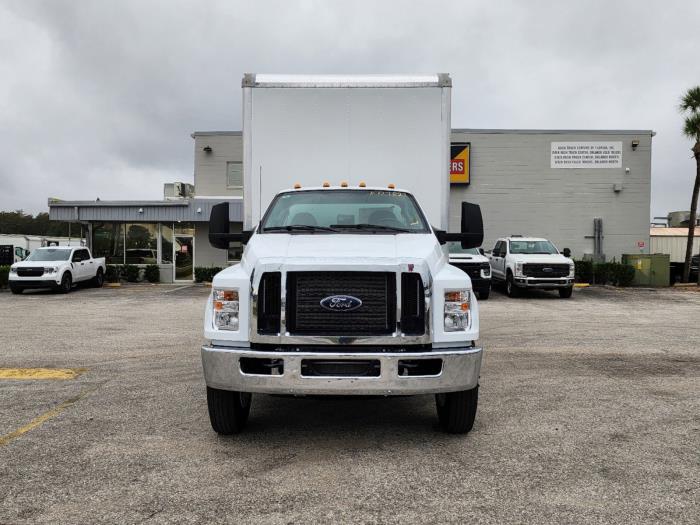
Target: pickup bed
{"x":58,"y":268}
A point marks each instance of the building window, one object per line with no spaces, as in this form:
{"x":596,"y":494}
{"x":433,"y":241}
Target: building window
{"x":108,"y":242}
{"x":141,"y":243}
{"x":166,"y":244}
{"x":234,"y":175}
{"x":184,"y":228}
{"x":235,"y":252}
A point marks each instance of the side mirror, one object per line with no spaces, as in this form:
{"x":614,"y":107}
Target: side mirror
{"x":481,"y":251}
{"x":472,"y":235}
{"x":219,"y":228}
{"x":566,"y":252}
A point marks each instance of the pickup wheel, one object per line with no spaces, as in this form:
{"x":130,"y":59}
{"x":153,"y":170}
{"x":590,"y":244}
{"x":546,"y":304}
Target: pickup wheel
{"x":457,"y":410}
{"x":228,"y":411}
{"x":484,"y":295}
{"x":99,"y":279}
{"x":16,"y":289}
{"x":511,"y":289}
{"x":565,"y":293}
{"x":66,"y":283}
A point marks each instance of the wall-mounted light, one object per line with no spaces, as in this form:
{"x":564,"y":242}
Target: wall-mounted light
{"x":140,"y":210}
{"x":635,"y":143}
{"x":207,"y":149}
{"x":199,"y":210}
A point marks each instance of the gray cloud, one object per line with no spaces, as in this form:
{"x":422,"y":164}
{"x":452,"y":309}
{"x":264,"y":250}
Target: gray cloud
{"x":99,"y":98}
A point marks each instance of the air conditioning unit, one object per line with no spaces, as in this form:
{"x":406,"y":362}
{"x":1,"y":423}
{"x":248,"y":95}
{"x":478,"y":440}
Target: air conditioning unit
{"x":178,"y":190}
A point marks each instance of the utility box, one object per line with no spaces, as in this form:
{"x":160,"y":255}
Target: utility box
{"x":649,"y":269}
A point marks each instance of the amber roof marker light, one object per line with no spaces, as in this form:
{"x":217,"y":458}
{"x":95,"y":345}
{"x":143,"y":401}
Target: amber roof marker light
{"x":362,"y":184}
{"x":326,"y":184}
{"x":297,"y":186}
{"x":343,"y":184}
{"x":391,"y":186}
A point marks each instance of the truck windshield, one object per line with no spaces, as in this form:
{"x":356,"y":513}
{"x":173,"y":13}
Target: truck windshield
{"x":456,"y":247}
{"x":532,"y":247}
{"x":340,"y":211}
{"x":49,"y":254}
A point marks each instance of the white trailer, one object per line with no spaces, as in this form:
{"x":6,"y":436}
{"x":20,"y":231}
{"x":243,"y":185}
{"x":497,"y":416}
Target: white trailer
{"x":375,"y":129}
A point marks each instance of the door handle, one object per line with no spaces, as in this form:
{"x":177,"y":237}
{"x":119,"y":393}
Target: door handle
{"x":91,"y":262}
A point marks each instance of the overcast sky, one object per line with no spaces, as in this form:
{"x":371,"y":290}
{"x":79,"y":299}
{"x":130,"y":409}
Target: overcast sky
{"x":98,"y":98}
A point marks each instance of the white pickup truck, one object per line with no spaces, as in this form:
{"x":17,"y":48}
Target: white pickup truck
{"x":345,"y":288}
{"x":57,"y":267}
{"x":531,"y":262}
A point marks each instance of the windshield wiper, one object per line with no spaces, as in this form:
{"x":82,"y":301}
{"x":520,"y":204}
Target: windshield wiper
{"x":365,"y":226}
{"x":299,"y":227}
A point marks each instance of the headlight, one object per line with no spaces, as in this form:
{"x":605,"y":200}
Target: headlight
{"x":485,"y":272}
{"x":50,"y":270}
{"x":13,"y":269}
{"x":572,"y":270}
{"x":457,"y":310}
{"x":225,"y":304}
{"x":518,"y":269}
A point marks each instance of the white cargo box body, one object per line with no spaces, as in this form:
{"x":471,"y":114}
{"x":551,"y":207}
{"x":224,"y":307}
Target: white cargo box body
{"x":377,"y":129}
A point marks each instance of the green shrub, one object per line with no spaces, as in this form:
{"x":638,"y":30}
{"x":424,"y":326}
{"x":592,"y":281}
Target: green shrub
{"x":205,"y":273}
{"x":602,"y":272}
{"x":131,"y":273}
{"x":152,"y":273}
{"x":4,"y":275}
{"x":622,"y":274}
{"x":113,"y":273}
{"x":584,"y":271}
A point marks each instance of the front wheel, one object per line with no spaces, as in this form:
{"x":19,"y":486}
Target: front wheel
{"x":457,"y":410}
{"x":66,"y":283}
{"x":565,"y":293}
{"x":511,"y":289}
{"x":16,"y":289}
{"x":483,"y":295}
{"x":228,"y":411}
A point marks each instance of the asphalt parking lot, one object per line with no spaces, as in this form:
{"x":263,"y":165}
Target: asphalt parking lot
{"x":589,"y":412}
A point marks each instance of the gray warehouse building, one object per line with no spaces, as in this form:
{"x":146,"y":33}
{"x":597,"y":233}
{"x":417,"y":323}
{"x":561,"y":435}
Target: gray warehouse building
{"x":549,"y":183}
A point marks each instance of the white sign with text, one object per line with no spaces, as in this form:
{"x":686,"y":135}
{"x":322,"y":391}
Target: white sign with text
{"x":586,"y":155}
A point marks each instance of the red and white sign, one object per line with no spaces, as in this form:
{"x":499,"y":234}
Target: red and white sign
{"x":641,"y":244}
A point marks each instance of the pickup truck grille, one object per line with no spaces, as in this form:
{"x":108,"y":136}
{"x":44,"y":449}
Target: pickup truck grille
{"x":545,"y":270}
{"x":306,"y":316}
{"x":473,"y":270}
{"x":30,"y":272}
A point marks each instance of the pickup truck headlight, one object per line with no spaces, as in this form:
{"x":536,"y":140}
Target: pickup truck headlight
{"x":572,"y":270}
{"x":13,"y":269}
{"x":486,"y":272}
{"x":225,"y":304}
{"x":518,"y":269}
{"x":457,"y":310}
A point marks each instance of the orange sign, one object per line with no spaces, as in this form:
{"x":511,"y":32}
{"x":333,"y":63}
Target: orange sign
{"x":459,"y":162}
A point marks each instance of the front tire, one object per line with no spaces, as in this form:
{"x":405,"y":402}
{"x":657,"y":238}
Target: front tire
{"x":511,"y":289}
{"x":228,"y":411}
{"x":457,"y":410}
{"x":66,"y":283}
{"x":565,"y":293}
{"x":16,"y":289}
{"x":484,"y":295}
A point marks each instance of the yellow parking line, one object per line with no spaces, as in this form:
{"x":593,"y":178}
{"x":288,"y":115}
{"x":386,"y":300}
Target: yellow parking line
{"x":41,"y":373}
{"x":39,"y":420}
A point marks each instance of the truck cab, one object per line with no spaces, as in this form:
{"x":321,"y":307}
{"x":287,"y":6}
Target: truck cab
{"x":531,"y":262}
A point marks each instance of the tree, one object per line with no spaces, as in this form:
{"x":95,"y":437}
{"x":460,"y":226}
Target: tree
{"x":690,"y":107}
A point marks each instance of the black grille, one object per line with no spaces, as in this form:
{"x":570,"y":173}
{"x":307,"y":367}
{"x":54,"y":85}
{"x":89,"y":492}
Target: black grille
{"x":269,"y":299}
{"x":473,"y":270}
{"x":30,"y":272}
{"x":412,"y":304}
{"x":545,"y":270}
{"x":306,"y":316}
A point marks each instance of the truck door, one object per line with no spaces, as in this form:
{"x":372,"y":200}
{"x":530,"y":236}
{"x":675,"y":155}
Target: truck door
{"x":498,"y":260}
{"x":80,"y":265}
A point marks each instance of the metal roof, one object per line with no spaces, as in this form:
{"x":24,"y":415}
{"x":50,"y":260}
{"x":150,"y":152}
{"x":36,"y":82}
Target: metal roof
{"x":190,"y":210}
{"x":216,"y":133}
{"x":345,"y":81}
{"x":672,"y":232}
{"x":556,"y":131}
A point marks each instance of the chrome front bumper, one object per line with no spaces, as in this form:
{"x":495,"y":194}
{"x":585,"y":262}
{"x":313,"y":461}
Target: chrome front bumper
{"x":537,"y":282}
{"x":459,"y":371}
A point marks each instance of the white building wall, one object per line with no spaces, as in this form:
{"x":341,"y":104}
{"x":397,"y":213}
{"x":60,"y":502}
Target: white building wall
{"x":520,"y":193}
{"x":210,"y":168}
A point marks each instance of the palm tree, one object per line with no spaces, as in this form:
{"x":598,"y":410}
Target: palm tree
{"x":690,"y":105}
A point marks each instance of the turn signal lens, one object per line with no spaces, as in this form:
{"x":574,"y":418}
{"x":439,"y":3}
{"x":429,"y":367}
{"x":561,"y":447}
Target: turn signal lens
{"x":225,"y":305}
{"x":456,"y":312}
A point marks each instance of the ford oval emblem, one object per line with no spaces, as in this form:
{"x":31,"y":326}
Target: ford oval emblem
{"x":341,"y":303}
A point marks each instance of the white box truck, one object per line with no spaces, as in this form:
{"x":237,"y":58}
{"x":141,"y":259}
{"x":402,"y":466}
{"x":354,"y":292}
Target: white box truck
{"x":344,"y":287}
